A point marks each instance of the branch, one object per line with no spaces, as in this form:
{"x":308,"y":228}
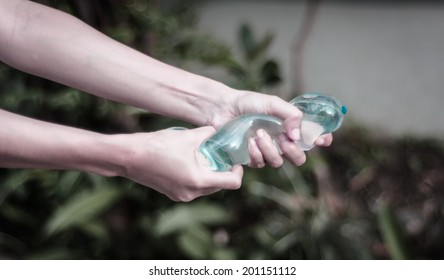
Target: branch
{"x":302,"y":37}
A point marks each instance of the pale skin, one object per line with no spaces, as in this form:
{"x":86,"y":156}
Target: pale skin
{"x":56,"y":46}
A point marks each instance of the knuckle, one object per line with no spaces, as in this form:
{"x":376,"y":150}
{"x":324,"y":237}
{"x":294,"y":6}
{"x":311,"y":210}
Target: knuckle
{"x":174,"y":198}
{"x":277,"y":163}
{"x":291,"y":149}
{"x":275,"y":99}
{"x":287,"y":148}
{"x":194,"y":182}
{"x":233,"y":185}
{"x":256,"y":157}
{"x":187,"y":198}
{"x":298,"y":114}
{"x":237,"y":185}
{"x":196,"y":186}
{"x":273,"y":103}
{"x":260,"y":165}
{"x":177,"y":197}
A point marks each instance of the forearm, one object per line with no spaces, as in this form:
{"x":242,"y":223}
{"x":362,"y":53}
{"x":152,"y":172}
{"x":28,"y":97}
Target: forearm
{"x":29,"y":143}
{"x":146,"y":158}
{"x":59,"y":47}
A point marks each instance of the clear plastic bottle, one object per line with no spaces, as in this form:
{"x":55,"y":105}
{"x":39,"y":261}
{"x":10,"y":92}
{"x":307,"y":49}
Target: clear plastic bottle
{"x":229,"y":145}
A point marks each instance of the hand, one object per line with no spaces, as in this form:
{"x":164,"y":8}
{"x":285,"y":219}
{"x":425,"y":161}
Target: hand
{"x":262,"y":149}
{"x":167,"y":161}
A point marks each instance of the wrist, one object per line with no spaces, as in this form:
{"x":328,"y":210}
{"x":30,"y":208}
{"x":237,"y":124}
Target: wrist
{"x":216,"y":103}
{"x":105,"y":155}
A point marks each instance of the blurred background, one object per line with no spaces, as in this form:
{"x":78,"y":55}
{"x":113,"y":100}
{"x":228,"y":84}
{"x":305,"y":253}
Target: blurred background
{"x":376,"y":193}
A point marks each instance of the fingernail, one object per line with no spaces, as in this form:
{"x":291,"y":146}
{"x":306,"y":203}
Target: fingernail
{"x":296,"y":134}
{"x":260,"y":133}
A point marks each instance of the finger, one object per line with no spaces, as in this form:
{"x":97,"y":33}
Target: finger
{"x":230,"y":180}
{"x":256,"y":158}
{"x":291,"y":151}
{"x":324,"y":140}
{"x":293,"y":127}
{"x":282,"y":109}
{"x":212,"y":183}
{"x":291,"y":115}
{"x":269,"y":151}
{"x":202,"y":133}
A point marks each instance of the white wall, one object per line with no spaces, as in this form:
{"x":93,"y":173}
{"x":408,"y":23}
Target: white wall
{"x":386,"y":62}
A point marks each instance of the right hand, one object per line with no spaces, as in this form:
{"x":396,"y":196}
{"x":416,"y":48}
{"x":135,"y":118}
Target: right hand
{"x":262,"y":149}
{"x":167,"y":162}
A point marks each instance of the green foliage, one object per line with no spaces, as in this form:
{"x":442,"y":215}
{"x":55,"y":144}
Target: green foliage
{"x":187,"y":216}
{"x":327,"y":209}
{"x":81,"y":208}
{"x":255,"y":71}
{"x":392,"y":233}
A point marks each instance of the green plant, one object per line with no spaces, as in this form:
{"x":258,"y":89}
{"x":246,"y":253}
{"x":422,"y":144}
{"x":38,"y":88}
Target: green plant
{"x":254,"y":70}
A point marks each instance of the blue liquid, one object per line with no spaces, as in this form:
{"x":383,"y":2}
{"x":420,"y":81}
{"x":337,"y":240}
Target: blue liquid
{"x":229,"y":145}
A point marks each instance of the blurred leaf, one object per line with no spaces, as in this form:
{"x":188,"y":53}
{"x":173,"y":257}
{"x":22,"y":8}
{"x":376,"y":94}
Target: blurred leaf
{"x":247,"y":42}
{"x":134,"y":111}
{"x":57,"y":253}
{"x":68,"y":99}
{"x":97,"y":181}
{"x":123,"y":34}
{"x":196,"y":242}
{"x":96,"y":229}
{"x":82,"y":208}
{"x":263,"y":235}
{"x":68,"y":181}
{"x":272,"y":193}
{"x":17,"y":214}
{"x":270,"y":73}
{"x":12,"y":243}
{"x":223,"y":254}
{"x":14,"y":181}
{"x":392,"y":233}
{"x":184,"y":216}
{"x":236,"y":69}
{"x":285,"y":242}
{"x":295,"y":179}
{"x":202,"y":48}
{"x":261,"y":48}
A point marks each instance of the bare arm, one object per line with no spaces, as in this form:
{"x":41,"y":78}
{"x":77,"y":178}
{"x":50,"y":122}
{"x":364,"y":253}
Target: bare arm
{"x":29,"y":143}
{"x":54,"y":45}
{"x":147,"y":158}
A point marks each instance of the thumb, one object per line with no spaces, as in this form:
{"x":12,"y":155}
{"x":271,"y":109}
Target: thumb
{"x":283,"y":109}
{"x":292,"y":127}
{"x":230,"y":180}
{"x":202,"y":133}
{"x":291,"y":115}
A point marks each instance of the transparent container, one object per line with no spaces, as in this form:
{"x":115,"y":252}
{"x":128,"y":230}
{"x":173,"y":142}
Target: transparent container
{"x":322,"y":114}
